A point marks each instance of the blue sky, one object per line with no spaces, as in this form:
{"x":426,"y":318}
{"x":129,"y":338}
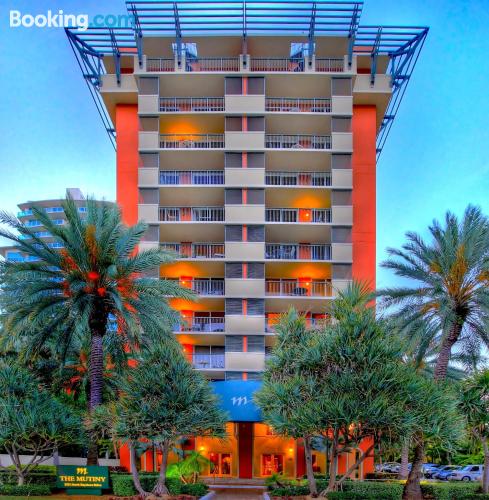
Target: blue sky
{"x":435,"y":159}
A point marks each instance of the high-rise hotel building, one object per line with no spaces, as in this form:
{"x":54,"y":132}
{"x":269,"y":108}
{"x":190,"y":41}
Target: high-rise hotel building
{"x":246,"y":137}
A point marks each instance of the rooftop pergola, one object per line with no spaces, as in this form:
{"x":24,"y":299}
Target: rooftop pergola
{"x":186,"y":18}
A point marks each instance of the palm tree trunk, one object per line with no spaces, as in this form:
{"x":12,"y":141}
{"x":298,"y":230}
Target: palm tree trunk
{"x":160,"y":487}
{"x":313,"y":490}
{"x":404,"y":470}
{"x":412,"y":488}
{"x":446,"y":350}
{"x":97,"y":324}
{"x":134,"y":471}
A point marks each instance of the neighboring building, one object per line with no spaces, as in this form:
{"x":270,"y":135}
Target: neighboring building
{"x":247,"y":136}
{"x":55,"y":212}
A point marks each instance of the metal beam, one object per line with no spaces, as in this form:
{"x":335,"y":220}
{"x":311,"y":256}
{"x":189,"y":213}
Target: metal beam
{"x":178,"y":34}
{"x":352,"y":34}
{"x":310,"y":37}
{"x":117,"y":56}
{"x":373,"y":56}
{"x":138,"y":32}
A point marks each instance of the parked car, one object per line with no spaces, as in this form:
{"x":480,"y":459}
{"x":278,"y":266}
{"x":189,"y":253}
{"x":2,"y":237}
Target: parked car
{"x":445,"y":471}
{"x":429,"y":469}
{"x":392,"y":467}
{"x":467,"y":473}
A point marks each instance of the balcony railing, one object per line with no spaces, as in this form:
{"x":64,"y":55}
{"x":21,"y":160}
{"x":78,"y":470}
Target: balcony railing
{"x":201,"y":324}
{"x":281,"y":141}
{"x":212,"y":286}
{"x":310,"y":323}
{"x":298,"y":179}
{"x":192,"y":141}
{"x":296,"y":288}
{"x":212,"y":64}
{"x":160,"y":64}
{"x":196,"y":250}
{"x":191,"y":214}
{"x":328,"y":65}
{"x":285,"y":64}
{"x":208,"y":361}
{"x":295,"y":105}
{"x":191,"y":177}
{"x":301,"y":215}
{"x":184,"y":104}
{"x":293,"y":251}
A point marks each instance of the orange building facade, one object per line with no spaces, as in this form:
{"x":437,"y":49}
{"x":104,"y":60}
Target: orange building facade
{"x":250,"y":151}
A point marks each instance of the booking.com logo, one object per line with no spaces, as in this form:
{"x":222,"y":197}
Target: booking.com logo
{"x":61,"y":20}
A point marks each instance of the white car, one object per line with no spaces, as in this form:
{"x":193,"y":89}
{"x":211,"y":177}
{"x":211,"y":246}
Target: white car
{"x":467,"y":473}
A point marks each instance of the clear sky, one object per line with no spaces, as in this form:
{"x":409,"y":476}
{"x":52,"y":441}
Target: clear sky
{"x":435,"y":159}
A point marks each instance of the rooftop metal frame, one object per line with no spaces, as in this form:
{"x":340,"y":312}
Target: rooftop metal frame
{"x":190,"y":18}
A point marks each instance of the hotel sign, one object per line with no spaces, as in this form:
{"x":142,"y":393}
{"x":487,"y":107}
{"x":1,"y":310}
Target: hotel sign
{"x":236,"y":398}
{"x":82,"y":480}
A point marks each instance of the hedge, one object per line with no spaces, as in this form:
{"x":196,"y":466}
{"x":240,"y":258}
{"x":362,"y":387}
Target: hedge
{"x":449,"y":491}
{"x":372,"y":490}
{"x":41,"y":474}
{"x":25,"y":490}
{"x":123,"y":486}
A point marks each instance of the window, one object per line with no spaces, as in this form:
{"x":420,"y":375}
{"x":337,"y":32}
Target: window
{"x":256,"y":123}
{"x":256,"y":85}
{"x":239,"y":160}
{"x":341,"y":161}
{"x":272,"y":464}
{"x":255,"y":307}
{"x":340,"y":124}
{"x":256,"y":160}
{"x":189,"y":48}
{"x":33,"y":223}
{"x":256,"y":343}
{"x":255,"y":197}
{"x":234,"y":376}
{"x":255,"y":375}
{"x":301,"y":49}
{"x":234,"y":85}
{"x":234,"y":306}
{"x":234,"y":233}
{"x":234,"y":196}
{"x":233,"y":160}
{"x":234,"y":270}
{"x":234,"y":343}
{"x":234,"y":123}
{"x":14,"y":257}
{"x":82,"y":210}
{"x":256,"y":270}
{"x":256,"y":234}
{"x":51,"y":210}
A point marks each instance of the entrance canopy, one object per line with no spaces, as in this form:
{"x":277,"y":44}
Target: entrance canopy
{"x":236,"y":398}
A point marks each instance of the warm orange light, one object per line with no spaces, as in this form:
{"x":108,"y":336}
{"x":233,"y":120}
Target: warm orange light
{"x":201,"y":448}
{"x":291,"y":450}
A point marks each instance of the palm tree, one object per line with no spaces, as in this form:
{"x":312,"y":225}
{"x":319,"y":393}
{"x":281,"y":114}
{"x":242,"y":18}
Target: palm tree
{"x":95,"y":282}
{"x":450,"y":275}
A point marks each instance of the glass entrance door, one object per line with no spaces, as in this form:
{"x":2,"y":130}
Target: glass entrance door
{"x":272,"y":464}
{"x":220,"y":464}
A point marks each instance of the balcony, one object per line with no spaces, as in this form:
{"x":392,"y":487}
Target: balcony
{"x":160,"y":65}
{"x":191,"y":214}
{"x":192,"y":141}
{"x":208,"y":361}
{"x":296,"y":105}
{"x":203,"y":286}
{"x":195,"y":250}
{"x":297,"y":288}
{"x":212,"y":64}
{"x":277,"y":64}
{"x":300,"y":251}
{"x":204,"y":324}
{"x":298,"y":215}
{"x":329,"y":65}
{"x":281,"y":141}
{"x":191,"y":177}
{"x":300,"y":179}
{"x":191,"y":104}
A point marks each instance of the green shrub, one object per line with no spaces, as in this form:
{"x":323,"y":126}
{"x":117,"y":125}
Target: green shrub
{"x":25,"y":490}
{"x":449,"y":491}
{"x":197,"y":489}
{"x":8,"y":476}
{"x":350,"y":495}
{"x":290,"y":490}
{"x":380,"y":475}
{"x":372,"y":489}
{"x":123,"y":486}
